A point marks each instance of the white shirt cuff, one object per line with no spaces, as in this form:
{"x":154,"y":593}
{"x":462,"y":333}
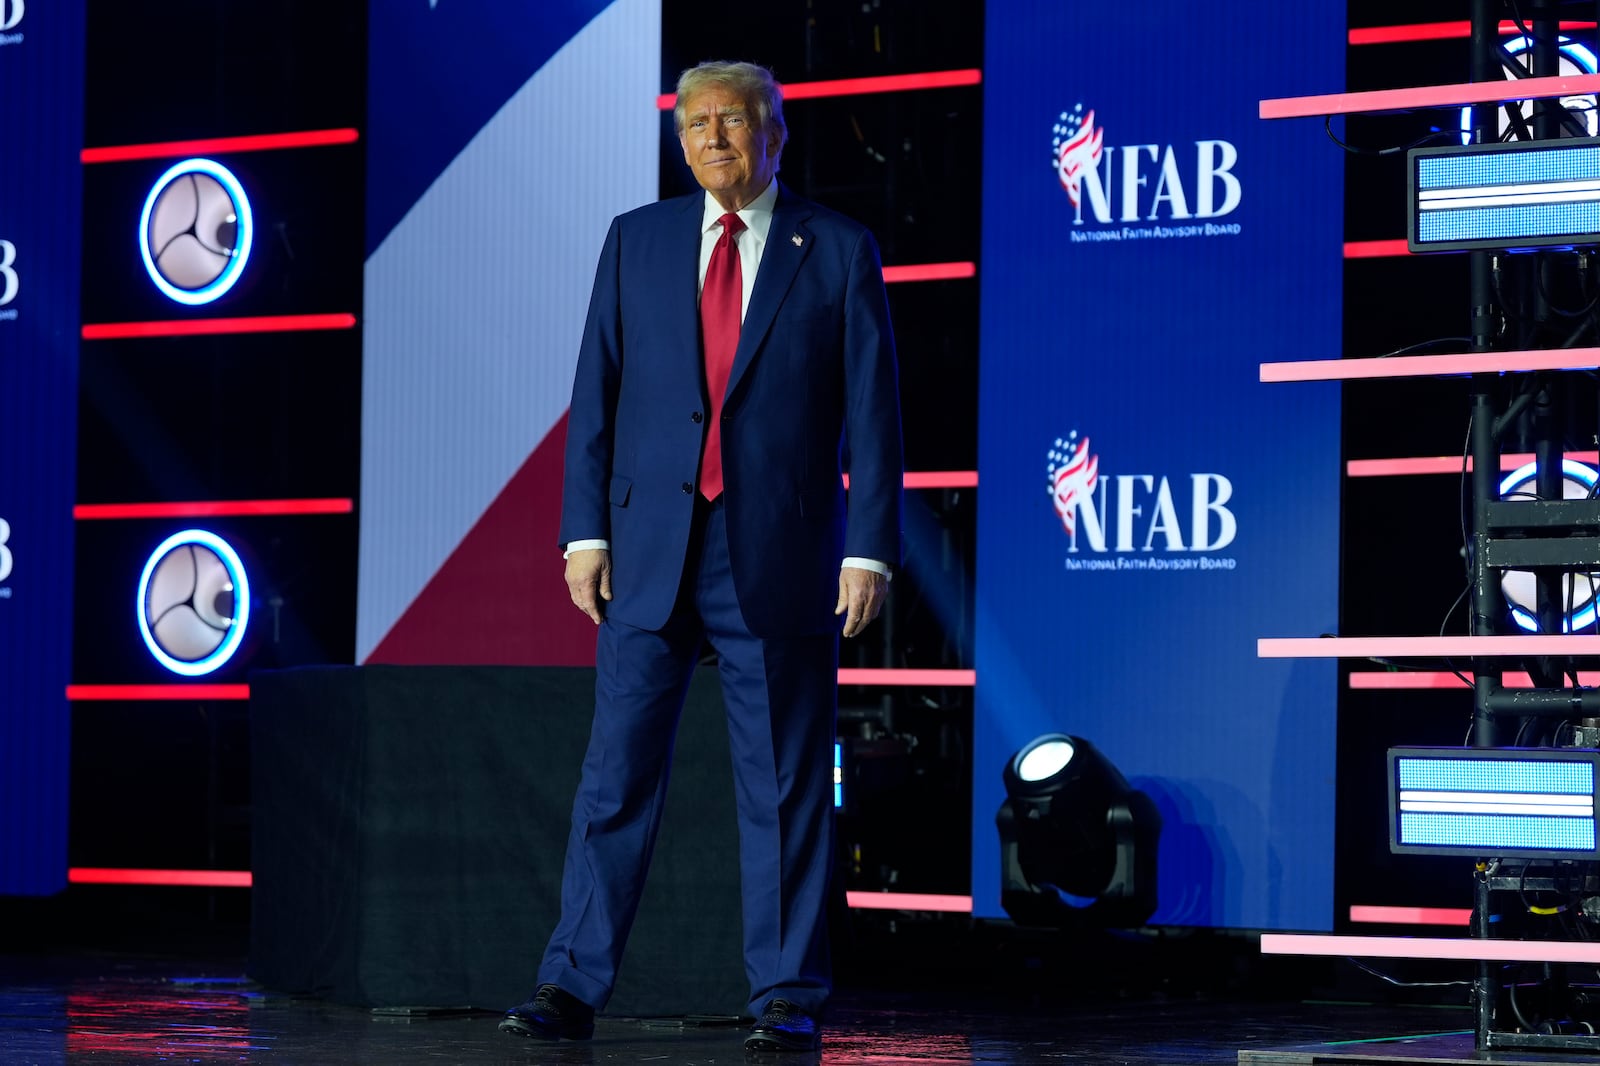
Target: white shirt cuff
{"x":868,"y":564}
{"x":585,"y":545}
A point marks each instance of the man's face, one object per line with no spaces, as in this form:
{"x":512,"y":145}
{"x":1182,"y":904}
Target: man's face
{"x":730,"y":157}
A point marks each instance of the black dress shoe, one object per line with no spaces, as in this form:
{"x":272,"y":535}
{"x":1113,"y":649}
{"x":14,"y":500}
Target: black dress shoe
{"x":552,"y":1014}
{"x":784,"y":1027}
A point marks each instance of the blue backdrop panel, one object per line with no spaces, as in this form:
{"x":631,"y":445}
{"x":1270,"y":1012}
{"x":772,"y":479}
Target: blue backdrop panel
{"x":437,"y":74}
{"x":41,"y":84}
{"x":1148,"y":508}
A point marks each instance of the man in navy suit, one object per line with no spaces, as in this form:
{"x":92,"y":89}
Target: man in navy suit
{"x":737,"y":347}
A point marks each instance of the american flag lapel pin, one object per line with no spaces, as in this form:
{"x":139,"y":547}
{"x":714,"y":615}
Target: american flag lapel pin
{"x":797,"y":240}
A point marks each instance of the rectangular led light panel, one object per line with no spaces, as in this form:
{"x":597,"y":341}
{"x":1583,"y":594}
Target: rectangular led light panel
{"x":1525,"y":194}
{"x":1535,"y":803}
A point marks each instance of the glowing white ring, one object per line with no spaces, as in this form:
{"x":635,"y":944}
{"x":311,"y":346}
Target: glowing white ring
{"x":1585,"y":476}
{"x":241,"y":602}
{"x":241,"y":249}
{"x":1582,"y":57}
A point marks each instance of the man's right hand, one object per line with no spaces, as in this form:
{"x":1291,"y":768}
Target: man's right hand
{"x":589,"y":581}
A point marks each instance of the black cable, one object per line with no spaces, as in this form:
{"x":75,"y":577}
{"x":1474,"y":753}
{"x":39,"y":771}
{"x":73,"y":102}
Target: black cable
{"x":1517,"y":1010}
{"x":1520,"y":70}
{"x":1358,"y":964}
{"x":1449,"y":664}
{"x":1551,"y":304}
{"x":1420,"y":345}
{"x":1509,"y":415}
{"x":1354,"y":149}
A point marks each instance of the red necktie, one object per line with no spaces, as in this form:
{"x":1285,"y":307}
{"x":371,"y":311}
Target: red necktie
{"x":721,"y":300}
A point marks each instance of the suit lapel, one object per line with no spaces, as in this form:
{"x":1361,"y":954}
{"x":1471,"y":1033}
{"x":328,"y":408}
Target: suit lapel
{"x":681,"y":312}
{"x":780,"y":261}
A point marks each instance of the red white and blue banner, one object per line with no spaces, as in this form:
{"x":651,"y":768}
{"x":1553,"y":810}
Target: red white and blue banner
{"x":41,"y":92}
{"x":1148,"y":508}
{"x":502,"y":139}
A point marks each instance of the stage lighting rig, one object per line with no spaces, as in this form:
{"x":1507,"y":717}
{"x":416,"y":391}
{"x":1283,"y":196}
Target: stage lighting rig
{"x":1077,"y":842}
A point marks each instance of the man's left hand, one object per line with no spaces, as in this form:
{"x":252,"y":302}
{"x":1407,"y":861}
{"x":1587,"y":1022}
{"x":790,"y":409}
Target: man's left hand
{"x":861,"y":596}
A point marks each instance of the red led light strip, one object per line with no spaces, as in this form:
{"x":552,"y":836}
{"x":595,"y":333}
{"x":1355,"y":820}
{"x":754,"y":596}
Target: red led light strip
{"x":85,"y":875}
{"x":259,"y":142}
{"x":929,"y":272}
{"x":1412,"y":915}
{"x":1444,"y":464}
{"x":889,"y":83}
{"x":1421,"y":366}
{"x":91,"y":875}
{"x":936,"y":479}
{"x":192,"y":327}
{"x":141,"y":693}
{"x":1375,"y":249}
{"x":1400,"y":647}
{"x":1408,"y":947}
{"x":1436,"y":31}
{"x":891,"y":676}
{"x":939,"y":479}
{"x":908,"y":901}
{"x":1372,"y":680}
{"x":213,"y":508}
{"x":1426,"y":96}
{"x":847,"y":676}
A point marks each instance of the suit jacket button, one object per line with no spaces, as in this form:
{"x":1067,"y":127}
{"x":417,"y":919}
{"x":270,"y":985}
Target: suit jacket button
{"x":687,"y":487}
{"x":696,"y":417}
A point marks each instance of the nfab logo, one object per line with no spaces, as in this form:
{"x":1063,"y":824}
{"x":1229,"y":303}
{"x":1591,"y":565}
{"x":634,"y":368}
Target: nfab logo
{"x":1143,"y":183}
{"x":1137,"y":513}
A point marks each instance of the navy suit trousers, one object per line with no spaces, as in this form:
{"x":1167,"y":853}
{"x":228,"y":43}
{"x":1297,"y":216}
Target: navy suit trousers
{"x":780,"y":696}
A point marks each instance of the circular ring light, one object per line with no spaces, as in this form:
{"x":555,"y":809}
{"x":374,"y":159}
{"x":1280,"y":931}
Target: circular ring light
{"x":196,"y":231}
{"x":1578,"y":588}
{"x":1044,"y":758}
{"x":194,"y":602}
{"x":1575,"y":59}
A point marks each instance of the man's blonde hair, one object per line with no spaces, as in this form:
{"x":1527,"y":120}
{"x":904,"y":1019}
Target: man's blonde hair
{"x":753,"y":84}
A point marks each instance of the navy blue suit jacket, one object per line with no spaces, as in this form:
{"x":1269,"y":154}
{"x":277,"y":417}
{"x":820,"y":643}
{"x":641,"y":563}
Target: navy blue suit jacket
{"x":814,"y":375}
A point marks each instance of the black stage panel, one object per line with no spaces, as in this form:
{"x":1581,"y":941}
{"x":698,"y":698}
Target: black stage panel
{"x":409,"y":825}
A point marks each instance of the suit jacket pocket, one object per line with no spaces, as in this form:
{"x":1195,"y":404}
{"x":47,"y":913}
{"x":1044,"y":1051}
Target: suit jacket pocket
{"x":621,"y":487}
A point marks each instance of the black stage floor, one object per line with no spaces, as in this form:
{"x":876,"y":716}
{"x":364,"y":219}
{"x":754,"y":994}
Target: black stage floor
{"x":87,"y":1007}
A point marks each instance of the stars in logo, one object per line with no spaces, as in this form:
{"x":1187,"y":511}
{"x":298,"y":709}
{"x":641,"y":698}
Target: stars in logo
{"x":1059,"y":456}
{"x":1066,"y":127}
{"x":1077,"y":147}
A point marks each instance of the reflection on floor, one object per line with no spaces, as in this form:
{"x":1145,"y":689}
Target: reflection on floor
{"x":87,"y":1008}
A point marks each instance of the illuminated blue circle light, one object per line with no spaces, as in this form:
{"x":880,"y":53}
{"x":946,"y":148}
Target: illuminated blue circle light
{"x":1575,"y":59}
{"x":194,"y":602}
{"x":1579,"y":480}
{"x":195,"y":231}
